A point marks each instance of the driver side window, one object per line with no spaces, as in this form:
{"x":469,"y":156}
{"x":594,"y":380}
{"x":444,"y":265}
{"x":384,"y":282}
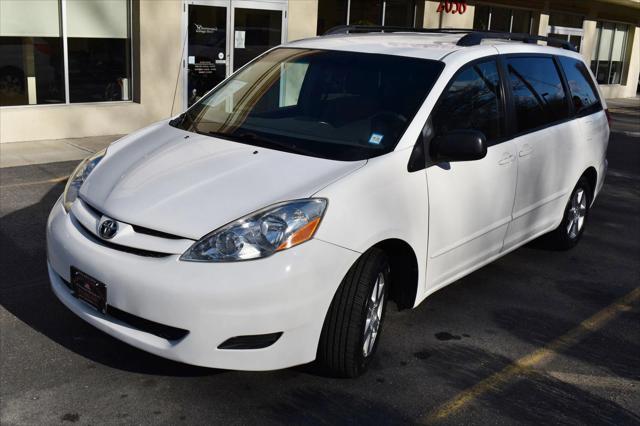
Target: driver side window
{"x":473,"y":100}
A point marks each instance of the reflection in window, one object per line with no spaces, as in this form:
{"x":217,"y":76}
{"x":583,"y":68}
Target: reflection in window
{"x":472,"y":101}
{"x":99,"y":50}
{"x":610,"y":52}
{"x":583,"y":92}
{"x":538,"y":92}
{"x":31,"y":61}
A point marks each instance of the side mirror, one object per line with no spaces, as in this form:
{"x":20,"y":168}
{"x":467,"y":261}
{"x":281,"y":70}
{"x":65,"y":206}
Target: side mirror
{"x":459,"y":145}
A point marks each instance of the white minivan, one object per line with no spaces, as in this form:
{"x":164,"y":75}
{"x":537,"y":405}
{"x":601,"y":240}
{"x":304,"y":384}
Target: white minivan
{"x":269,"y":224}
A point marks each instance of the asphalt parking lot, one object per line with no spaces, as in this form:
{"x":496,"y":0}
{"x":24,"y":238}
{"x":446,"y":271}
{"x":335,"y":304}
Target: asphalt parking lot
{"x":536,"y":337}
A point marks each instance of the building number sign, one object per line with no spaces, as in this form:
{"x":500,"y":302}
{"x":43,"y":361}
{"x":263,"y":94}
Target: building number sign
{"x":452,"y":7}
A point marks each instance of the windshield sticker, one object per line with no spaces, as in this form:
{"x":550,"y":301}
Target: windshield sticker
{"x":375,"y":138}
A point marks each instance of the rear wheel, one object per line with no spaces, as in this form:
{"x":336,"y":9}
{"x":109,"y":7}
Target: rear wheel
{"x":573,"y":223}
{"x":352,"y":328}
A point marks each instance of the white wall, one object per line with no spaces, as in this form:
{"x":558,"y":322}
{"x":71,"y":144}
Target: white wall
{"x":303,"y":19}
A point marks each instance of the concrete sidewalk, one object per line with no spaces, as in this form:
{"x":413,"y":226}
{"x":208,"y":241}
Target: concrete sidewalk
{"x":51,"y":151}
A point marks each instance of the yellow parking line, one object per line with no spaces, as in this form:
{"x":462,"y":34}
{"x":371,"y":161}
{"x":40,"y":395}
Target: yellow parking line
{"x":535,"y":359}
{"x":39,"y":182}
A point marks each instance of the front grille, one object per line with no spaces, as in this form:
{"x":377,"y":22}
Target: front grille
{"x":136,"y":228}
{"x":142,"y":324}
{"x":108,"y":244}
{"x":154,"y":233}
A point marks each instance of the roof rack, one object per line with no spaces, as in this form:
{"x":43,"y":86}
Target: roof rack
{"x":471,"y":37}
{"x":346,"y":29}
{"x":475,"y":38}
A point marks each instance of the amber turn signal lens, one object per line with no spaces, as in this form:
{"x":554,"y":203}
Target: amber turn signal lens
{"x":303,"y":234}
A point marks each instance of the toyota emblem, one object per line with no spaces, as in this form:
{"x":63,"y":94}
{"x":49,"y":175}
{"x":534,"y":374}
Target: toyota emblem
{"x":108,"y":229}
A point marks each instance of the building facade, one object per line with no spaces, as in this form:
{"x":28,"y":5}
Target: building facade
{"x":76,"y":68}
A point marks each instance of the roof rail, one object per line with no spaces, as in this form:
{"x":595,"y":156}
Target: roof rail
{"x":346,"y":29}
{"x":474,"y":38}
{"x":471,"y":37}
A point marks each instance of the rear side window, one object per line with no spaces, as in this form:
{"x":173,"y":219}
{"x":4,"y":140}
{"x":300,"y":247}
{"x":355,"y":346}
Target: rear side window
{"x":538,"y":93}
{"x":473,"y":100}
{"x":583,"y":92}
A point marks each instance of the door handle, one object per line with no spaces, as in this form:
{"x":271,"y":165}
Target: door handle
{"x":507,"y":158}
{"x":526,"y":150}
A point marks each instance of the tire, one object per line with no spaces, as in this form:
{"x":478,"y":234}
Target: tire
{"x":341,"y":350}
{"x":574,"y":221}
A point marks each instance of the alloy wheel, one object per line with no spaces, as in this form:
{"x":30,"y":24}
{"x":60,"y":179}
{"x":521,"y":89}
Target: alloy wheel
{"x":577,"y":213}
{"x":375,"y":306}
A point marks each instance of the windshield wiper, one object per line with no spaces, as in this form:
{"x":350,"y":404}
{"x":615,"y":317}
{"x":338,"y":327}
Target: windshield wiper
{"x":251,"y":138}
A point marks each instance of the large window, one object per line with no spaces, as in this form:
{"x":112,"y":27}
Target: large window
{"x":402,"y":13}
{"x":31,"y":59}
{"x":490,"y":18}
{"x":472,"y":101}
{"x":537,"y":91}
{"x":610,"y":52}
{"x":64,"y":51}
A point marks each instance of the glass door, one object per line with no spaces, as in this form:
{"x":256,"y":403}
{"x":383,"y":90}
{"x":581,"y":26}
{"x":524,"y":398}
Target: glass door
{"x":257,"y":27}
{"x":207,"y":61}
{"x":223,"y":35}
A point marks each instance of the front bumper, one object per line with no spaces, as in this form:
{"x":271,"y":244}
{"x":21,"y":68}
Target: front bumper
{"x":289,"y":292}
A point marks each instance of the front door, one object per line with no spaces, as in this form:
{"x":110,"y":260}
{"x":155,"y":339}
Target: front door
{"x":470,"y":202}
{"x":223,"y":35}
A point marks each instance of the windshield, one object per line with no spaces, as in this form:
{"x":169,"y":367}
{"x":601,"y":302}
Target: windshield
{"x":329,"y":104}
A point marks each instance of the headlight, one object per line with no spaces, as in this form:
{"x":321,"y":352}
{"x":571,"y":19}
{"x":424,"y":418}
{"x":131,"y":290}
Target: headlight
{"x":77,"y":178}
{"x":260,"y":234}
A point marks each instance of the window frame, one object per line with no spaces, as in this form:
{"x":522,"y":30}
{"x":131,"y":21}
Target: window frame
{"x":511,"y":106}
{"x":504,"y":128}
{"x":62,"y":10}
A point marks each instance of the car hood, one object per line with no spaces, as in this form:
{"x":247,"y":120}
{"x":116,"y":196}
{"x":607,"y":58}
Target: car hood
{"x":188,"y":184}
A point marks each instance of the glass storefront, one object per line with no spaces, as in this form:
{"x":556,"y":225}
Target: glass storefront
{"x":491,"y":18}
{"x":399,"y":13}
{"x":31,"y":58}
{"x":33,"y":50}
{"x":99,"y":50}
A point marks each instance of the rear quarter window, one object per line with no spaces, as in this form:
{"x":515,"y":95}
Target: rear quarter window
{"x":583,"y":91}
{"x":538,"y":94}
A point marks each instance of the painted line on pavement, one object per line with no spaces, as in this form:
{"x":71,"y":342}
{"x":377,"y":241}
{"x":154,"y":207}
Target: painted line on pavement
{"x":535,"y":359}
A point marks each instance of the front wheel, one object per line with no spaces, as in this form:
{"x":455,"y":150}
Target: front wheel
{"x":352,"y":328}
{"x":573,"y":223}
